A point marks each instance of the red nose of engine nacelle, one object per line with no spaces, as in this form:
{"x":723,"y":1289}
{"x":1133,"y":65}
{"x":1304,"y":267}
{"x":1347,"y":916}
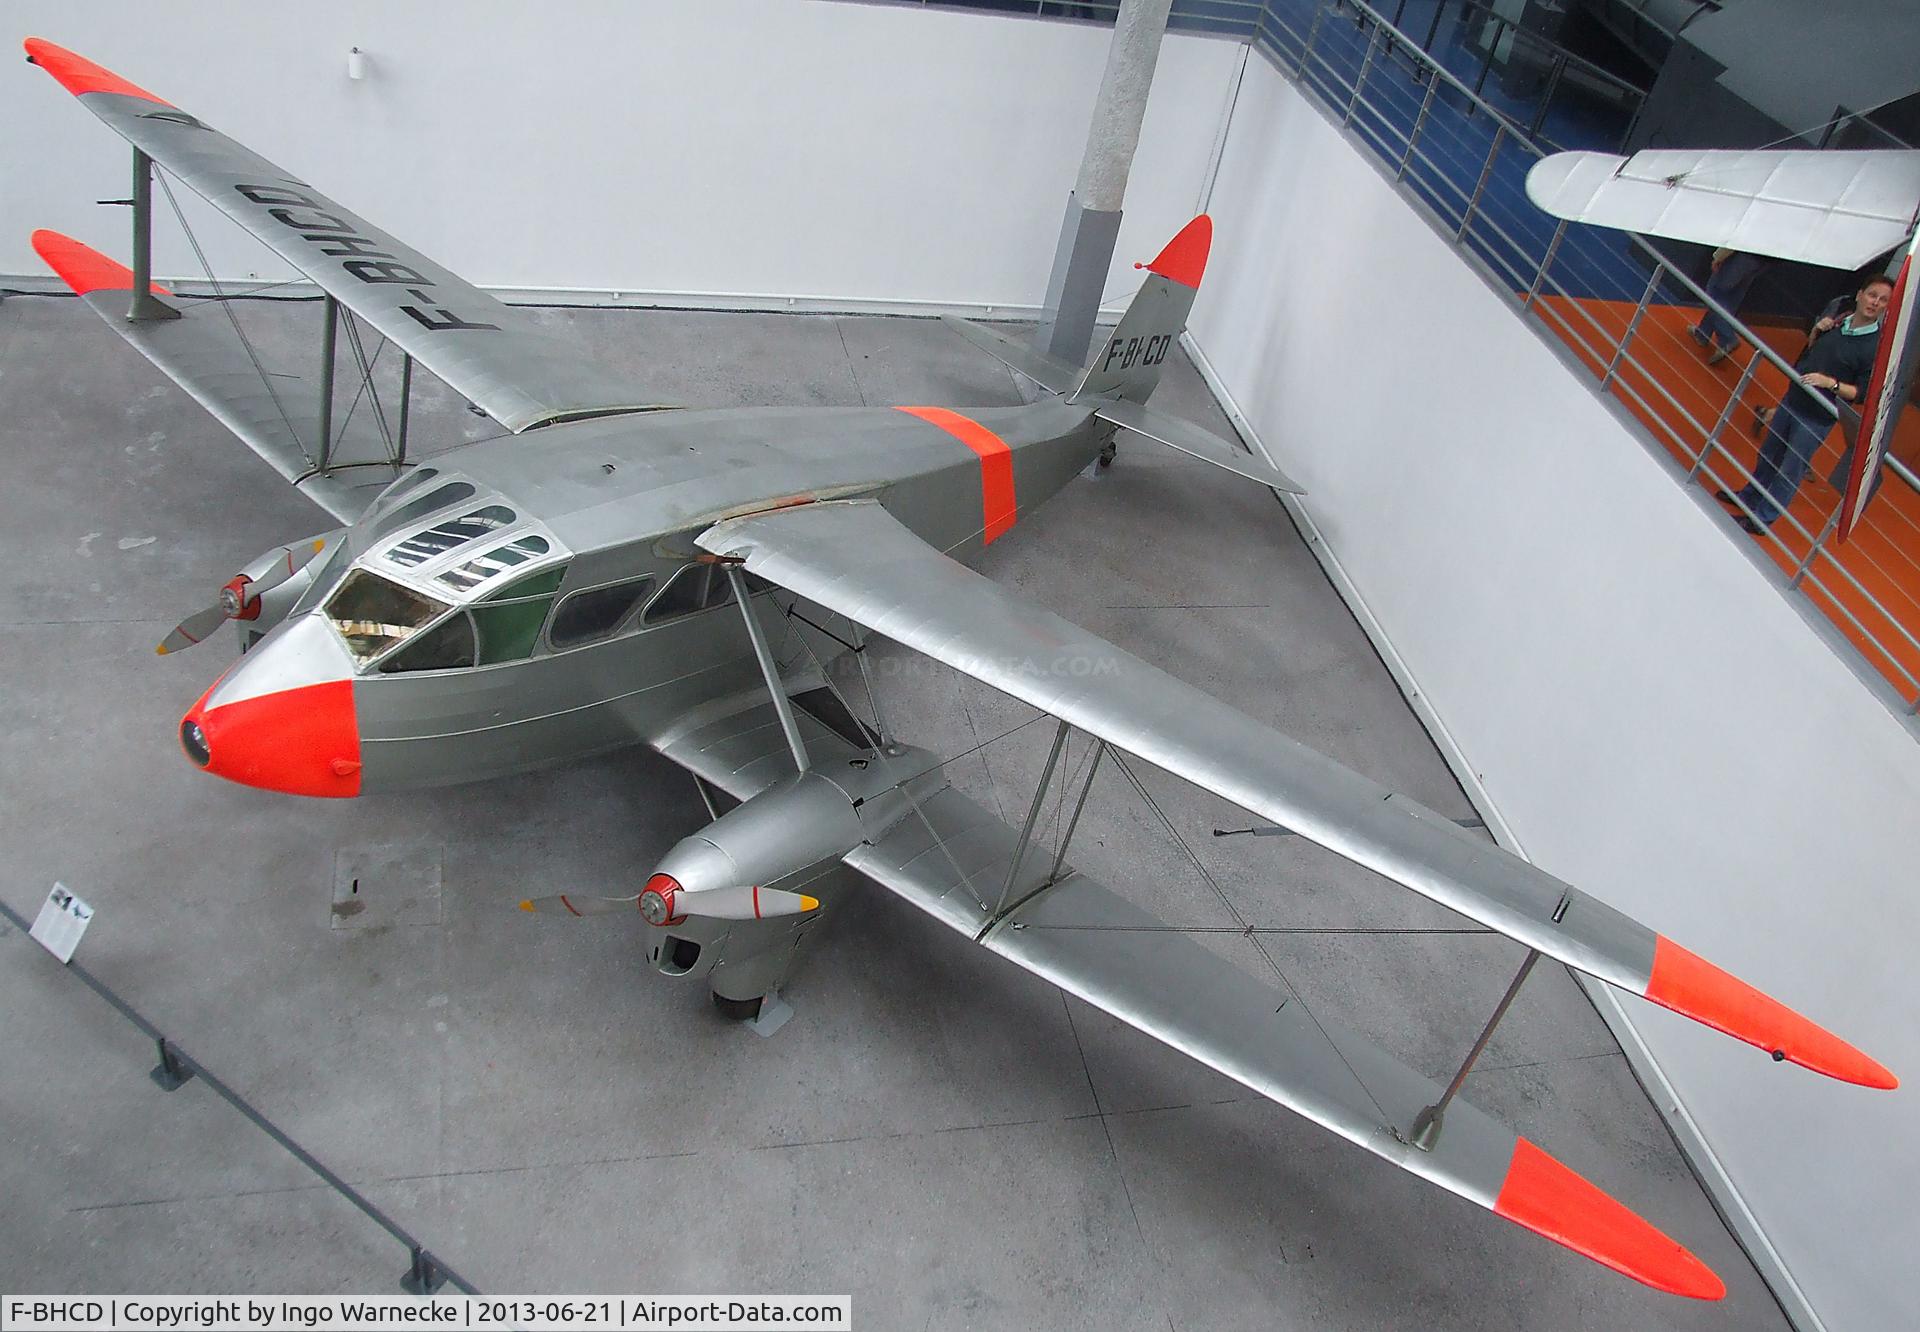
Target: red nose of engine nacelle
{"x":282,"y":719}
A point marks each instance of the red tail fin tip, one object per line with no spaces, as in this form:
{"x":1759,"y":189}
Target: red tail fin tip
{"x":1185,"y":257}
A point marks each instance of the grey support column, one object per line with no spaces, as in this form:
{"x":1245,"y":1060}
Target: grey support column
{"x":1092,"y":221}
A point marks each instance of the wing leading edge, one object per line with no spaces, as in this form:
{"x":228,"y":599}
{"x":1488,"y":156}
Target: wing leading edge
{"x":496,"y":356}
{"x":856,"y":559}
{"x":952,"y":855}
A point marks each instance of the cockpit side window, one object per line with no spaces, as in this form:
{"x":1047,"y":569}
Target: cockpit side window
{"x":447,"y":646}
{"x":373,"y":614}
{"x":586,"y":617}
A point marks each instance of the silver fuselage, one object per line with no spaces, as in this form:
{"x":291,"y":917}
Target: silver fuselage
{"x":625,"y":496}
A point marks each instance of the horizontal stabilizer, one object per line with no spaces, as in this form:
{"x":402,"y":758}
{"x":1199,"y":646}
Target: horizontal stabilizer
{"x":856,"y":559}
{"x":1838,"y":209}
{"x":1054,"y":376}
{"x":277,"y":415}
{"x":1195,"y":441}
{"x":952,"y":856}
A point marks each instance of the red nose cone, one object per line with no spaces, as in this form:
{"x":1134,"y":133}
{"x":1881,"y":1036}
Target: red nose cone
{"x":303,"y":741}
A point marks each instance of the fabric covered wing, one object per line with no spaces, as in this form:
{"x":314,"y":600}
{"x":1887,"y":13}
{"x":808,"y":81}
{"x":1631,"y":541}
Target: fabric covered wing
{"x":1838,"y":209}
{"x":519,"y":374}
{"x":950,"y":859}
{"x":856,"y":559}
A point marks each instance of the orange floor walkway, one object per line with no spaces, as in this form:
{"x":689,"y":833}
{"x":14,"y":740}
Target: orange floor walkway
{"x":1680,"y":398}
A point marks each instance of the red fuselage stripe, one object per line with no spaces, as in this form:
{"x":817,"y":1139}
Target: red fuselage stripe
{"x":997,"y":505}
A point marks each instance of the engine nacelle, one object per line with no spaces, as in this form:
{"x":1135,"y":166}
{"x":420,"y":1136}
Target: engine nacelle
{"x":814,"y":816}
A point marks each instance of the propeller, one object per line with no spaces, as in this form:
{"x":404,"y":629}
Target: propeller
{"x":240,"y":598}
{"x":664,"y":902}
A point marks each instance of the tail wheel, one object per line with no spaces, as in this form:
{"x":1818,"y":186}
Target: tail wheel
{"x":1109,"y":453}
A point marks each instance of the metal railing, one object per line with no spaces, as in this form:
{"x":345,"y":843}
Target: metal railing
{"x":1624,"y":310}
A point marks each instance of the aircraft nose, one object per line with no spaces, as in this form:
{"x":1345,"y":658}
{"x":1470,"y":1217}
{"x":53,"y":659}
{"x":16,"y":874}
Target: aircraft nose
{"x":283,"y":718}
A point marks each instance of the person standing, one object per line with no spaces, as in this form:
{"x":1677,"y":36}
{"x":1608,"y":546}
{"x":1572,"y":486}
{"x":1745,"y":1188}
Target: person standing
{"x":1733,"y":274}
{"x":1839,"y":361}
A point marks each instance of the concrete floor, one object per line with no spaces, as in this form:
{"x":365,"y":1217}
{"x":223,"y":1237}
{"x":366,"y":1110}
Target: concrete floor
{"x":948,"y":1140}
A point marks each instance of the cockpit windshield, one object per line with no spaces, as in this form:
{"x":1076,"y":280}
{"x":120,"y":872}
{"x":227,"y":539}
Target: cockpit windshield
{"x":374,"y":614}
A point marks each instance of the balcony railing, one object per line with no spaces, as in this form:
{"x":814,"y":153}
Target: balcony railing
{"x":1621,"y":306}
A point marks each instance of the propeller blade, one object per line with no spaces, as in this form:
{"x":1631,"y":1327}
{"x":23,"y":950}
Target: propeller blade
{"x":742,"y":903}
{"x":565,"y":904}
{"x":286,"y":562}
{"x":196,"y":628}
{"x":713,"y":903}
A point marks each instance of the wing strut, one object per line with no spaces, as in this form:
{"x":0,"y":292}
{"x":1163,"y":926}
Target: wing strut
{"x":1426,"y":1125}
{"x":144,"y":305}
{"x":782,"y":705}
{"x":1033,"y":817}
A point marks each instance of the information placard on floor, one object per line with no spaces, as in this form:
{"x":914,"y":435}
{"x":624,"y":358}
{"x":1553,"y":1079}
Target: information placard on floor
{"x":62,"y":920}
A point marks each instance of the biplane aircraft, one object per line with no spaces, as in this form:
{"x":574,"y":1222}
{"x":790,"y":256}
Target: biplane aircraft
{"x":608,"y":572}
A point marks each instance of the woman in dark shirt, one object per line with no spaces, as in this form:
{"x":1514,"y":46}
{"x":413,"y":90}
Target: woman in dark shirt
{"x":1838,"y":360}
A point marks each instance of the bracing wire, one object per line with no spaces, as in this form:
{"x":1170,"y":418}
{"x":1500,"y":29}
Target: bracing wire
{"x":1120,"y":758}
{"x":227,"y":305}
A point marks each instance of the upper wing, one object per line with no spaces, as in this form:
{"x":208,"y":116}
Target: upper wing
{"x":854,"y":558}
{"x":1839,"y":209}
{"x":493,"y":355}
{"x":951,"y":856}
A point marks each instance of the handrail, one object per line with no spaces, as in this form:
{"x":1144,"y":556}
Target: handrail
{"x":1349,"y":82}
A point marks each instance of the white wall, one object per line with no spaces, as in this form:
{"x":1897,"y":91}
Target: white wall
{"x":1647,"y":713}
{"x":698,"y":147}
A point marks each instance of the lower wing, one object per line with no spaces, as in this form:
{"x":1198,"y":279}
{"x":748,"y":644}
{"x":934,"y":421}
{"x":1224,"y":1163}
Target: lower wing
{"x":951,"y":858}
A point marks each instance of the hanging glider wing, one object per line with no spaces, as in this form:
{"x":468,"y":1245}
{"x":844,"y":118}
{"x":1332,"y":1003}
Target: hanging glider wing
{"x":1887,"y":392}
{"x":952,"y":856}
{"x":519,"y":374}
{"x":1838,"y":209}
{"x":856,"y":559}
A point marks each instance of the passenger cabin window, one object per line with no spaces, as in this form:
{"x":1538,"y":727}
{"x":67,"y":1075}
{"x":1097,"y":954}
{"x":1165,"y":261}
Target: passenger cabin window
{"x":447,"y":646}
{"x":587,"y":617}
{"x":696,"y":587}
{"x":373,"y":614}
{"x":509,"y":620}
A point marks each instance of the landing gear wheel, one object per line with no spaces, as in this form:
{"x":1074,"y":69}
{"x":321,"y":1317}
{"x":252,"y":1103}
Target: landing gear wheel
{"x":1108,"y":454}
{"x":740,"y":1010}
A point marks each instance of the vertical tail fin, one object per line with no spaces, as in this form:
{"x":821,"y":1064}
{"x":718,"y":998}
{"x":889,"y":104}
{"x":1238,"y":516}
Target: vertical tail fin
{"x":1127,"y":366}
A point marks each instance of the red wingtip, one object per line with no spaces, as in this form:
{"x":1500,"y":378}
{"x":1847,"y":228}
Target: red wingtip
{"x":82,"y":267}
{"x":1548,"y":1198}
{"x":1185,"y":257}
{"x":78,"y":75}
{"x":1691,"y":985}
